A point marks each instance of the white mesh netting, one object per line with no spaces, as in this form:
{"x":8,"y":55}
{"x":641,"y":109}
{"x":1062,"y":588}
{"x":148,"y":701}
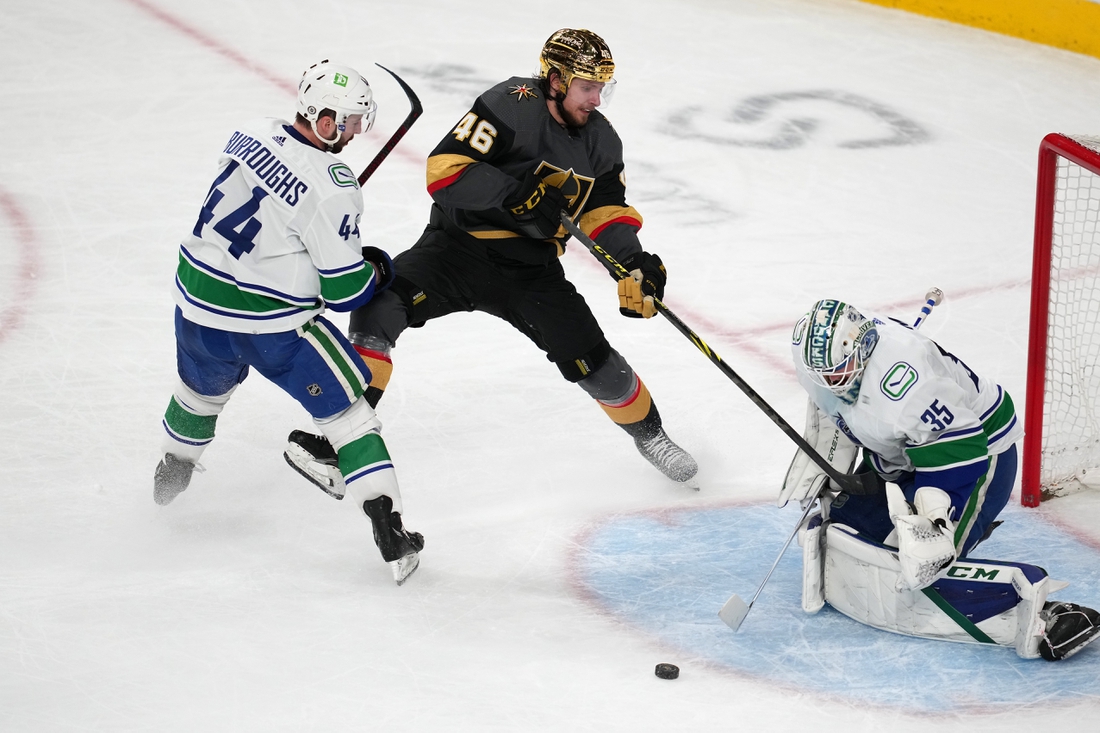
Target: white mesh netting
{"x":1071,"y":410}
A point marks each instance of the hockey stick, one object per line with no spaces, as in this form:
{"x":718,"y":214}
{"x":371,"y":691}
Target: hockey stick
{"x":857,"y":484}
{"x":417,"y":110}
{"x":735,"y":610}
{"x":931,"y":299}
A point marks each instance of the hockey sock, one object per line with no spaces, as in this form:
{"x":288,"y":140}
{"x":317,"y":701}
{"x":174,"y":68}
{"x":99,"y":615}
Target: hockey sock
{"x":381,"y":367}
{"x":636,"y":413}
{"x":368,"y":470}
{"x":188,"y":432}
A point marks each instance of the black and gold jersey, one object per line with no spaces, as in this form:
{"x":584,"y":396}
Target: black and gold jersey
{"x":508,"y":133}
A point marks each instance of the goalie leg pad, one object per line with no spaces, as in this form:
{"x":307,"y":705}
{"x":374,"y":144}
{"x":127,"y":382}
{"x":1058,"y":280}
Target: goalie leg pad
{"x":830,"y":442}
{"x":812,"y":538}
{"x":977,"y":601}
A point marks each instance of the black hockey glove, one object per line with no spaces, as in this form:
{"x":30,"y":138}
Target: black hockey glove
{"x":536,"y":208}
{"x":383,"y":267}
{"x":646,"y":282}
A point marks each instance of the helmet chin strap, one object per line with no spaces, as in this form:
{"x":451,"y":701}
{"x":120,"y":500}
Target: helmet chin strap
{"x":558,"y":97}
{"x":328,"y":143}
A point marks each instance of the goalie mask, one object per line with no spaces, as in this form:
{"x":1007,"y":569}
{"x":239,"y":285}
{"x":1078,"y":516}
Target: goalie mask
{"x":338,"y":88}
{"x":834,"y":341}
{"x":578,"y":54}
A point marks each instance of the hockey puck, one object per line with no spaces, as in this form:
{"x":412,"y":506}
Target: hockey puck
{"x":667,"y":671}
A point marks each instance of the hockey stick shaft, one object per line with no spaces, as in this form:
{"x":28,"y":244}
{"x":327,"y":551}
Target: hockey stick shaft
{"x":805,"y":513}
{"x":735,"y":610}
{"x":852,"y":484}
{"x":417,"y":110}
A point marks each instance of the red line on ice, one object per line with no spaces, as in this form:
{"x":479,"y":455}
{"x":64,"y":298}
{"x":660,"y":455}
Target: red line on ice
{"x":230,"y":53}
{"x":12,"y":315}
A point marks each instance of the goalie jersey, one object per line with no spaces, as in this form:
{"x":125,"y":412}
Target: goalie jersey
{"x":277,"y":239}
{"x":509,"y":134}
{"x":921,"y":410}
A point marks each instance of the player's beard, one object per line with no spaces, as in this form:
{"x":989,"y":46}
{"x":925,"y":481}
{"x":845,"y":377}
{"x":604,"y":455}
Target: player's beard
{"x":573,"y":119}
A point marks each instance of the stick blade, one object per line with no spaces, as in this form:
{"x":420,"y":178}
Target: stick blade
{"x":733,"y":613}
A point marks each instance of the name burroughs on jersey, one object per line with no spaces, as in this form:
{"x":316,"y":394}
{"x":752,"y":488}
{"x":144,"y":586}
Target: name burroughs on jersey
{"x":272,"y":171}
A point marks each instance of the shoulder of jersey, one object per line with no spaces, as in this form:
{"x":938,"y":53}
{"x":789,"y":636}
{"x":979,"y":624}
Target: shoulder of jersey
{"x":518,"y":90}
{"x":598,"y":122}
{"x":515,"y":99}
{"x":333,"y":174}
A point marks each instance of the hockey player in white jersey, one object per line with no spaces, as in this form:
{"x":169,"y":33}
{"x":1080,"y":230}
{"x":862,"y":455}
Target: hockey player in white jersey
{"x":275,"y":243}
{"x":942,"y":441}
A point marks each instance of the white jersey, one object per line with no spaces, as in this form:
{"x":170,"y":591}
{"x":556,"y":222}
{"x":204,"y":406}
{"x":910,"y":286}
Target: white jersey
{"x":921,"y":409}
{"x":277,"y":239}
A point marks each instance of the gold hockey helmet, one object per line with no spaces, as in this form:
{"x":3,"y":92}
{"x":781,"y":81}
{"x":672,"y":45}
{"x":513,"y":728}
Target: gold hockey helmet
{"x":576,"y":53}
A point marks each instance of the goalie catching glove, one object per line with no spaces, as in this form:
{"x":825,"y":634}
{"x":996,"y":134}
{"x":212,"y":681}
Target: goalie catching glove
{"x":646,"y":282}
{"x":926,"y":539}
{"x":805,"y":478}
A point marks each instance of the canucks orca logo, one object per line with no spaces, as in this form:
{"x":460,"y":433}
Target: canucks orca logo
{"x":799,"y":330}
{"x":342,"y":176}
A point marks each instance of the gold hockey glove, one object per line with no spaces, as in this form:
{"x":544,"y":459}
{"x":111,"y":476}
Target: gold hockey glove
{"x":647,"y":281}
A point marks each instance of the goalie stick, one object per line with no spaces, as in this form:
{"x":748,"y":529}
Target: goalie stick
{"x":416,"y":111}
{"x":858,"y":484}
{"x":734,"y":611}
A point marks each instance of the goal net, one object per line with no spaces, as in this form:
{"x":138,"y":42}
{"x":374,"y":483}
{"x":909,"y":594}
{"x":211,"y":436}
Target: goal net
{"x":1062,"y":441}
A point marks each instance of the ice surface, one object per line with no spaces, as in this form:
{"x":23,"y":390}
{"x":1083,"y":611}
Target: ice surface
{"x":780,"y":152}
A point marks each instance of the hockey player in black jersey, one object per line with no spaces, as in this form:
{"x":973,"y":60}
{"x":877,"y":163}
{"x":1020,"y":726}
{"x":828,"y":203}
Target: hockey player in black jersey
{"x":527,"y":150}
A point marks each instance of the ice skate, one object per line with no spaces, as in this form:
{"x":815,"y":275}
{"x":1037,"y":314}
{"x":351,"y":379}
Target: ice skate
{"x":172,"y":476}
{"x":313,"y":457}
{"x":1070,"y":628}
{"x":669,"y":458}
{"x":399,"y":547}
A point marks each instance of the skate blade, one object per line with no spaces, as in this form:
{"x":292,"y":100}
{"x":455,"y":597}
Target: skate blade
{"x":692,"y":483}
{"x":313,"y":471}
{"x":733,"y":613}
{"x":404,"y":567}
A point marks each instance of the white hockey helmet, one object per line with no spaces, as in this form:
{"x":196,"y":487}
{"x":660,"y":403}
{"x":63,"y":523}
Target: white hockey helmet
{"x":339,"y":88}
{"x":833,"y":342}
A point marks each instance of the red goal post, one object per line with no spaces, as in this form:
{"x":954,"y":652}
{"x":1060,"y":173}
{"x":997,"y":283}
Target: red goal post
{"x":1062,"y":409}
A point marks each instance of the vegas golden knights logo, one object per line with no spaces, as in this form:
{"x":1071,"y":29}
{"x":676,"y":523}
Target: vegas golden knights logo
{"x":576,"y":188}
